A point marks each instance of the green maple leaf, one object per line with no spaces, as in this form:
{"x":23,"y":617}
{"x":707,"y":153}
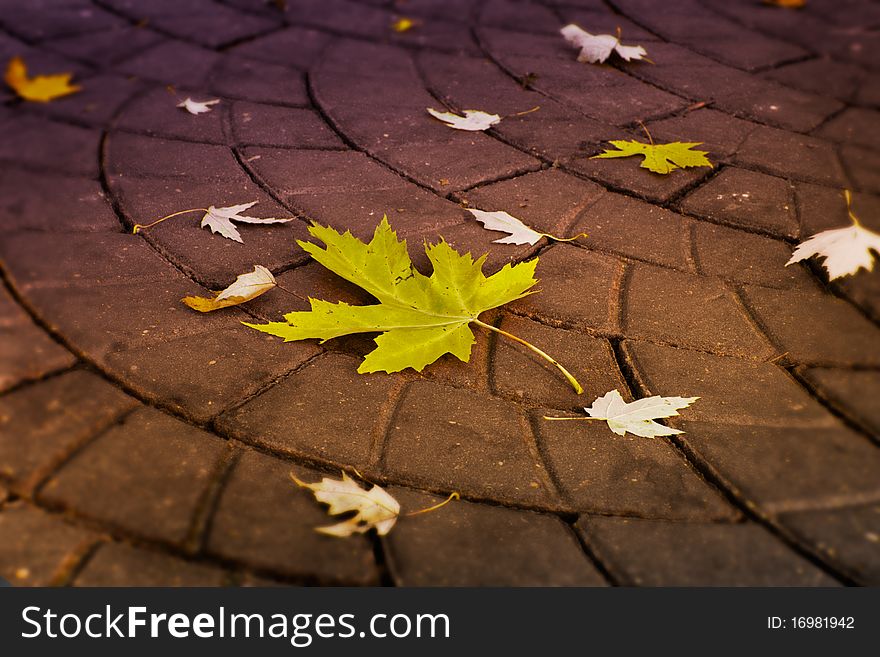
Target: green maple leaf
{"x":660,"y":158}
{"x":420,"y":317}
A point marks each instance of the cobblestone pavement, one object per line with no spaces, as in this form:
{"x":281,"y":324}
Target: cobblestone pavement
{"x":141,"y":443}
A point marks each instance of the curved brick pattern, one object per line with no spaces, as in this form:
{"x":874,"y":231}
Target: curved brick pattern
{"x":144,"y":443}
{"x":650,"y":553}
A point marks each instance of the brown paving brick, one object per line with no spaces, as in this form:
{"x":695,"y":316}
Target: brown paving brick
{"x":105,"y":47}
{"x":815,"y":327}
{"x":853,"y":126}
{"x":731,"y":390}
{"x":31,"y":201}
{"x":319,"y":412}
{"x":438,"y":34}
{"x":287,"y":127}
{"x":651,"y":553}
{"x":448,"y":439}
{"x":214,"y":26}
{"x":689,"y":311}
{"x":266,"y":522}
{"x":825,"y":77}
{"x":44,"y":422}
{"x":778,"y":468}
{"x":343,"y":15}
{"x":602,"y":472}
{"x":863,"y":166}
{"x":43,"y":144}
{"x":577,"y":289}
{"x":611,"y":221}
{"x":720,"y":134}
{"x":864,"y":291}
{"x":847,"y":537}
{"x":465,"y":544}
{"x":118,"y":564}
{"x":746,"y":198}
{"x":292,"y":46}
{"x":243,"y":78}
{"x":37,"y":24}
{"x":36,"y":548}
{"x":162,"y":64}
{"x":518,"y":16}
{"x":791,"y":155}
{"x":156,"y":113}
{"x":854,"y":393}
{"x":823,"y":208}
{"x":42,"y":356}
{"x":141,"y":156}
{"x":146,"y":475}
{"x":521,"y":375}
{"x":746,"y":258}
{"x":96,"y":104}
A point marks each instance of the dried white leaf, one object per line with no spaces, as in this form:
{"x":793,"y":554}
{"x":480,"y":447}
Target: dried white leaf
{"x":198,"y":107}
{"x":473,"y":120}
{"x":374,"y":508}
{"x":845,"y":250}
{"x":637,"y":417}
{"x":518,"y":232}
{"x":596,"y":48}
{"x":246,"y":287}
{"x":219,"y":220}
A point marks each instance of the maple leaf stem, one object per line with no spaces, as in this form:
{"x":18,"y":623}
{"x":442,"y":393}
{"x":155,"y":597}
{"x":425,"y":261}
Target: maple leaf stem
{"x":551,"y":417}
{"x":139,"y":227}
{"x":528,"y":111}
{"x":848,"y":196}
{"x":647,"y":132}
{"x":573,"y":381}
{"x":453,"y":496}
{"x":564,"y":239}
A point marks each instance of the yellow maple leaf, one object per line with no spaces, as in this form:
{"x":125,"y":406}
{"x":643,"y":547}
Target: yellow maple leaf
{"x":404,"y":24}
{"x":40,"y":88}
{"x":659,"y":158}
{"x":786,"y":4}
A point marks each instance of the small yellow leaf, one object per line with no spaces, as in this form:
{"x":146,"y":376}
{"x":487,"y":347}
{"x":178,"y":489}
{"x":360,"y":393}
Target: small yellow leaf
{"x":40,"y":88}
{"x":246,"y":287}
{"x":404,"y":24}
{"x":786,"y":4}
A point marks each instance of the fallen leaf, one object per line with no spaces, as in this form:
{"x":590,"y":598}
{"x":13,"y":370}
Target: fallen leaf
{"x":636,"y":417}
{"x":375,"y":508}
{"x":404,"y":24}
{"x":246,"y":287}
{"x":473,"y":120}
{"x":198,"y":107}
{"x":659,"y":158}
{"x":420,"y":318}
{"x":786,"y":4}
{"x":40,"y":88}
{"x":518,"y":232}
{"x":596,"y":48}
{"x":219,"y":220}
{"x":845,"y":250}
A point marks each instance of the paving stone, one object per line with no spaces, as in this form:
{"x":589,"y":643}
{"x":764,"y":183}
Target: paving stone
{"x":40,"y":23}
{"x":853,"y":393}
{"x":578,"y":289}
{"x":43,"y":354}
{"x":137,"y":156}
{"x":284,"y":127}
{"x":791,"y":155}
{"x":214,"y":26}
{"x":438,"y":34}
{"x":862,"y":165}
{"x":853,"y":126}
{"x":824,"y":77}
{"x":118,"y":564}
{"x":652,"y":553}
{"x":776,"y":469}
{"x":95,"y":104}
{"x":162,"y":64}
{"x":447,"y":439}
{"x":520,"y":375}
{"x":342,"y":16}
{"x":746,"y":198}
{"x":292,"y":46}
{"x":146,"y":475}
{"x":613,"y":218}
{"x":731,"y":390}
{"x":744,"y":257}
{"x":848,"y":537}
{"x":465,"y":544}
{"x":43,"y":423}
{"x":327,"y":397}
{"x":718,"y":133}
{"x":815,"y":328}
{"x":106,"y":47}
{"x":823,"y":208}
{"x":264,"y":521}
{"x":31,"y":141}
{"x":236,"y":77}
{"x":600,"y":472}
{"x":689,"y":311}
{"x":519,"y":16}
{"x":156,"y":113}
{"x":36,"y":548}
{"x":864,"y":291}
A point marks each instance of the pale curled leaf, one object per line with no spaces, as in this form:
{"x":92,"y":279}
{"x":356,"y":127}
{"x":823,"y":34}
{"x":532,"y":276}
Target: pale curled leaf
{"x":518,"y":232}
{"x":473,"y":120}
{"x":246,"y":287}
{"x":659,"y":158}
{"x":374,"y":508}
{"x":219,"y":220}
{"x":40,"y":88}
{"x":845,"y":250}
{"x":637,"y":417}
{"x":596,"y":48}
{"x":198,"y":107}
